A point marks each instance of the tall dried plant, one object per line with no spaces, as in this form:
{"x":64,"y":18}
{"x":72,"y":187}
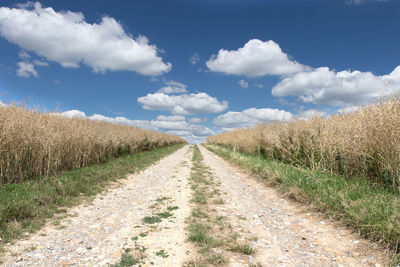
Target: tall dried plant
{"x":34,"y":144}
{"x":365,"y":142}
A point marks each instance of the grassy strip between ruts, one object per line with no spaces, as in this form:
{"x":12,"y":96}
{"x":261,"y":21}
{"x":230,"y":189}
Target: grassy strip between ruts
{"x":211,"y":233}
{"x":368,"y":209}
{"x":24,"y":207}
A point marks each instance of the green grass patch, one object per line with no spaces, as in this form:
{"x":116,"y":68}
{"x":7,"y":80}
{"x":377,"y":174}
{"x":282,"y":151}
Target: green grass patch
{"x":200,"y":199}
{"x":162,"y":253}
{"x":216,"y":259}
{"x":143,"y":234}
{"x":164,"y":214}
{"x":161,"y":199}
{"x":126,"y":260}
{"x":218,"y":201}
{"x":151,"y":219}
{"x":24,"y":207}
{"x":371,"y":210}
{"x":242,"y":248}
{"x":171,"y":208}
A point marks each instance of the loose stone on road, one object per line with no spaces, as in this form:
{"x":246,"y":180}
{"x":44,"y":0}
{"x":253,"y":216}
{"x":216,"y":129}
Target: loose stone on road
{"x":144,"y":216}
{"x":103,"y":229}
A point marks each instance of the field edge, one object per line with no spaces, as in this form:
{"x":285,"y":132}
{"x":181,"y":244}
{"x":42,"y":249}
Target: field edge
{"x":370,"y":211}
{"x":25,"y":207}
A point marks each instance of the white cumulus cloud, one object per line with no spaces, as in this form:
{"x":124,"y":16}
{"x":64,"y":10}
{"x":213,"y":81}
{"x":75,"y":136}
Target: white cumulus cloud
{"x":325,"y":86}
{"x":251,"y":117}
{"x":183,"y":104}
{"x":170,"y":124}
{"x":256,"y":58}
{"x":65,"y":37}
{"x":72,"y":114}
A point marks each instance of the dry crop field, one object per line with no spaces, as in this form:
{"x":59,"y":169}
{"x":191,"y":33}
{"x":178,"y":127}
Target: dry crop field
{"x":35,"y":144}
{"x":365,"y":142}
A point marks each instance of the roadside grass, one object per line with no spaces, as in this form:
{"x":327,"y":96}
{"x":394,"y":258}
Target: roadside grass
{"x":206,"y":228}
{"x":24,"y":207}
{"x":367,"y":208}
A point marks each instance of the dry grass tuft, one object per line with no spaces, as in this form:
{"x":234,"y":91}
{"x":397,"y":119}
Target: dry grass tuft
{"x":365,"y":142}
{"x":35,"y":144}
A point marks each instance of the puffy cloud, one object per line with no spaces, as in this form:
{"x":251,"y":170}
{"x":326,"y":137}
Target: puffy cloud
{"x":65,"y":37}
{"x":173,"y":87}
{"x":251,"y":117}
{"x":26,"y":69}
{"x":243,"y":83}
{"x":72,"y":114}
{"x":195,"y":58}
{"x":183,"y":104}
{"x":171,"y":124}
{"x":312,"y":85}
{"x":256,"y":58}
{"x":325,"y":86}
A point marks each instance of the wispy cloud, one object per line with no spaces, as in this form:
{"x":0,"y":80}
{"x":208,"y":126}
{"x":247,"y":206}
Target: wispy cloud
{"x":195,"y":58}
{"x":243,"y":83}
{"x":359,"y":2}
{"x":172,"y":87}
{"x":26,"y":69}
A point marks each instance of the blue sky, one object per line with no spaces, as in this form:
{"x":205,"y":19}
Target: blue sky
{"x":198,"y":67}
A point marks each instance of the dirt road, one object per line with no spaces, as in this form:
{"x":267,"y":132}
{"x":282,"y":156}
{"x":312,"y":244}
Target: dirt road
{"x":146,"y":217}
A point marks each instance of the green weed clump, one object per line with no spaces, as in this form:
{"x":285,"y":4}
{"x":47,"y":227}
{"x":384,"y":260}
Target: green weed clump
{"x":35,"y":144}
{"x":363,"y":143}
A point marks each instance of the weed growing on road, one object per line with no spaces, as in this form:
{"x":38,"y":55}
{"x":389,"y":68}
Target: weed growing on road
{"x":171,"y":208}
{"x":151,"y":219}
{"x":160,"y":215}
{"x":126,"y":260}
{"x":206,"y":228}
{"x":162,"y":253}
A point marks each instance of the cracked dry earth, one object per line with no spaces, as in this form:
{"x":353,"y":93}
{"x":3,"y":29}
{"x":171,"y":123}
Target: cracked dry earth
{"x":98,"y":233}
